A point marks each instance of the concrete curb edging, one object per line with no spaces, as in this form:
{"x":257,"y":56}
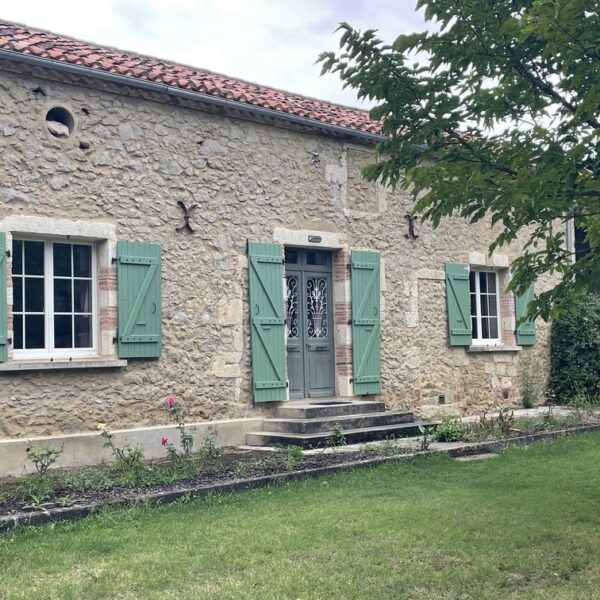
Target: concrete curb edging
{"x":21,"y":519}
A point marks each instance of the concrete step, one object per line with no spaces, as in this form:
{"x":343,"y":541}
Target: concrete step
{"x":316,"y":440}
{"x":325,"y":424}
{"x":315,"y":409}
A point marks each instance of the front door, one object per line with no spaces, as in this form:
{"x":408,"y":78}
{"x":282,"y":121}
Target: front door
{"x":310,"y":352}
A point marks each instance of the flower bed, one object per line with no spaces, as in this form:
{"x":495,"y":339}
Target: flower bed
{"x":71,"y":493}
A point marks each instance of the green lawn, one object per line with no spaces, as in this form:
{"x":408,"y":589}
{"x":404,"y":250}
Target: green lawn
{"x":524,"y":525}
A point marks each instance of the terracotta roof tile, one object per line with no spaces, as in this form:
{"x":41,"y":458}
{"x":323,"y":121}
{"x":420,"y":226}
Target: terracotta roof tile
{"x":27,"y":40}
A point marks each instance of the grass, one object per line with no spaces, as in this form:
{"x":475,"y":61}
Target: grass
{"x":524,"y":525}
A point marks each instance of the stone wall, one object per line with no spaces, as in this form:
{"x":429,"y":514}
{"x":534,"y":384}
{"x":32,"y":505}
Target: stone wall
{"x":127,"y":163}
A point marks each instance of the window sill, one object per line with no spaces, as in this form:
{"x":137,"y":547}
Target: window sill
{"x":499,"y":348}
{"x":47,"y":365}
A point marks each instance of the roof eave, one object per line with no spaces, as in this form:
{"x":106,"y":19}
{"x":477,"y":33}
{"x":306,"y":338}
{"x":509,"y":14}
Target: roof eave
{"x":161,"y":88}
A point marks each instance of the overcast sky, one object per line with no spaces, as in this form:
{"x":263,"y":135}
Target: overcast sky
{"x":271,"y":42}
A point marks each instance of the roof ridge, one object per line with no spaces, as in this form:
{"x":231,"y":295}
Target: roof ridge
{"x":23,"y":39}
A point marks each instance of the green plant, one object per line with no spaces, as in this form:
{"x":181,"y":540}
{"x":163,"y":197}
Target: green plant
{"x":43,"y":457}
{"x":475,"y":105}
{"x":484,"y":426}
{"x":33,"y":490}
{"x":126,"y":457}
{"x":242,"y":469}
{"x":370,"y":447}
{"x":532,"y":382}
{"x":177,"y":415}
{"x":584,"y":406}
{"x":66,"y":501}
{"x":336,"y":437}
{"x":426,"y":437}
{"x":209,"y":449}
{"x":575,"y":352}
{"x":505,"y":420}
{"x":37,"y":502}
{"x":287,"y":457}
{"x":449,"y":430}
{"x":549,"y":420}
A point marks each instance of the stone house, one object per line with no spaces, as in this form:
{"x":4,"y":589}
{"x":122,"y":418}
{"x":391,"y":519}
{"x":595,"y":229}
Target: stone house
{"x":168,"y":230}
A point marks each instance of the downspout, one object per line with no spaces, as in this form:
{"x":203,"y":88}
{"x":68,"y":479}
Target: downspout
{"x":161,"y":88}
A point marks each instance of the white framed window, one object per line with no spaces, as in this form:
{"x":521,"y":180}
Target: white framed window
{"x":54,"y":298}
{"x":485,"y":307}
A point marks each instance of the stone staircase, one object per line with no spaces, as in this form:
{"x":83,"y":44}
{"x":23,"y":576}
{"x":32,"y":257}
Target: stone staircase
{"x":308,"y":423}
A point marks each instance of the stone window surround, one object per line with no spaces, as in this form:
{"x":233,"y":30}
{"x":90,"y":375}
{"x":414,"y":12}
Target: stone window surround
{"x":499,"y":263}
{"x":104,"y":236}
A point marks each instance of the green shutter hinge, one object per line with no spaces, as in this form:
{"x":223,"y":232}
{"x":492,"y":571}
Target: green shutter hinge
{"x":8,"y":253}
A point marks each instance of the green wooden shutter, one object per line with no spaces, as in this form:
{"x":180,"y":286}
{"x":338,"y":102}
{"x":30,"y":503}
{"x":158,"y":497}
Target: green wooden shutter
{"x":265,"y":274}
{"x":526,"y":330}
{"x":3,"y":308}
{"x":139,"y":297}
{"x":459,"y":305}
{"x":366,"y":322}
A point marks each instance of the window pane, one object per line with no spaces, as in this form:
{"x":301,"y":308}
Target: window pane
{"x":315,"y":257}
{"x":485,"y":329}
{"x":291,"y":256}
{"x":62,"y":295}
{"x":493,"y":306}
{"x":34,"y":294}
{"x":34,"y":331}
{"x":83,"y":332}
{"x":483,"y":282}
{"x":17,"y":294}
{"x":82,"y":261}
{"x":473,"y":304}
{"x":484,"y":306}
{"x":475,"y":333}
{"x":472,"y":281}
{"x":83,"y":295}
{"x":62,"y":260}
{"x":18,"y":332}
{"x":34,"y":258}
{"x":494,"y":328}
{"x":17,"y":257}
{"x":63,"y":331}
{"x":492,"y":283}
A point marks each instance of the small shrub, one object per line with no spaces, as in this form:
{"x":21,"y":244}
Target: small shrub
{"x":426,"y":437}
{"x":449,"y":430}
{"x":287,"y":457}
{"x":549,"y":420}
{"x":127,"y":458}
{"x":505,"y":421}
{"x":484,"y":426}
{"x":575,"y":352}
{"x":177,"y":415}
{"x":370,"y":447}
{"x":336,"y":437}
{"x":209,"y":449}
{"x":43,"y":457}
{"x":532,"y":384}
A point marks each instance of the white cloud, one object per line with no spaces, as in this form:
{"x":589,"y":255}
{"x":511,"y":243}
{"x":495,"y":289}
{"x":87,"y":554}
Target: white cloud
{"x":271,"y":42}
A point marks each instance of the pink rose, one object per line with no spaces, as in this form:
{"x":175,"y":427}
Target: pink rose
{"x":164,"y":440}
{"x":171,"y":401}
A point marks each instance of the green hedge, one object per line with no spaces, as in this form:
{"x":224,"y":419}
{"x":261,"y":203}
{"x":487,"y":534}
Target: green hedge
{"x":575,"y":352}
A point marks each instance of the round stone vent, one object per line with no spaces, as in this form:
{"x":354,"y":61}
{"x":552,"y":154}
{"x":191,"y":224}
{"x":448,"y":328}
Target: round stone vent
{"x":60,"y":122}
